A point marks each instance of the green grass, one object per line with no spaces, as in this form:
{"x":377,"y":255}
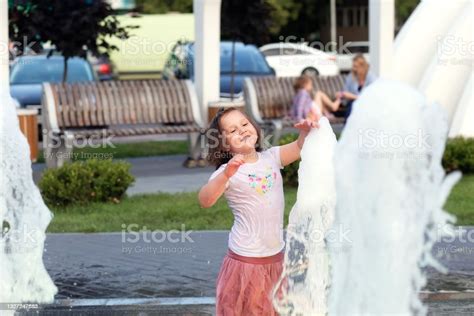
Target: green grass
{"x":129,"y":150}
{"x":170,"y":211}
{"x":461,"y":201}
{"x":155,"y":211}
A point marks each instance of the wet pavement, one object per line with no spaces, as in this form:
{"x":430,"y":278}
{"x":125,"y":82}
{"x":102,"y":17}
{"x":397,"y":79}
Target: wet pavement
{"x":112,"y":265}
{"x":96,"y":272}
{"x":437,"y":308}
{"x":117,"y":265}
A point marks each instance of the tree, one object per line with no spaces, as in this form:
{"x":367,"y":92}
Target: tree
{"x":310,"y":15}
{"x":283,"y":11}
{"x":403,"y":9}
{"x":164,"y":6}
{"x":73,"y":27}
{"x":248,"y":21}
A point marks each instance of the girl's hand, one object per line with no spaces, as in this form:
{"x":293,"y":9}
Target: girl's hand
{"x":305,"y":126}
{"x":233,"y":165}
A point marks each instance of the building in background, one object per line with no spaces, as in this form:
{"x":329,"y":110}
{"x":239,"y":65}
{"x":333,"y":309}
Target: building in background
{"x":352,"y":20}
{"x":144,"y":54}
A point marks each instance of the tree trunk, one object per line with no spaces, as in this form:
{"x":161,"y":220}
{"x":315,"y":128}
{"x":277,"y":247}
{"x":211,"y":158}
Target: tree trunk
{"x":65,"y":70}
{"x":232,"y":71}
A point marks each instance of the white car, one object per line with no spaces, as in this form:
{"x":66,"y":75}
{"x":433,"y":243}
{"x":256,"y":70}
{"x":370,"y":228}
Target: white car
{"x":347,"y":52}
{"x":291,"y":60}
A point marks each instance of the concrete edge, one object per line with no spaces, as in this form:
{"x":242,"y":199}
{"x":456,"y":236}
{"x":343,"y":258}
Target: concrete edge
{"x":446,"y":296}
{"x":119,"y":233}
{"x":425,"y":296}
{"x":194,"y":231}
{"x":164,"y":301}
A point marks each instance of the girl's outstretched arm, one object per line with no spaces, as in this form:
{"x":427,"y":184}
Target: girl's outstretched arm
{"x":291,"y":152}
{"x":212,"y":191}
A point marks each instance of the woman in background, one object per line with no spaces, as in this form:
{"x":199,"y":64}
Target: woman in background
{"x":359,"y":78}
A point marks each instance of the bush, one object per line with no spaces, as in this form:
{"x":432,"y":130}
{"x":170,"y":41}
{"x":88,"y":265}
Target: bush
{"x":459,"y":155}
{"x":87,"y":181}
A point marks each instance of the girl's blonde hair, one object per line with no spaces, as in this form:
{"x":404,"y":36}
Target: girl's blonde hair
{"x":301,"y":82}
{"x":363,"y":61}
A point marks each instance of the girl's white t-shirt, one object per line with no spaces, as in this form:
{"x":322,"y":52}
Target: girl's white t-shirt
{"x":255,"y":196}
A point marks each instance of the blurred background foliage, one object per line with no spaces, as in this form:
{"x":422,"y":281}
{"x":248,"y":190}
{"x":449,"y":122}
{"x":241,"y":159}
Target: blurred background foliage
{"x":288,"y":17}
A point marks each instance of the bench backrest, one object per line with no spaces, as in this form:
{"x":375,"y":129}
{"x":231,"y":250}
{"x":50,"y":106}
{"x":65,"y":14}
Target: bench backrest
{"x":98,"y":104}
{"x":274,"y":95}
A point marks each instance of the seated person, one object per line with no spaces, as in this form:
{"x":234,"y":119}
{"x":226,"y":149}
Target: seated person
{"x":305,"y":105}
{"x":359,"y":78}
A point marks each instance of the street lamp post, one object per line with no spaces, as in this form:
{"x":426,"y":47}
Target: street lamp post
{"x":333,"y":25}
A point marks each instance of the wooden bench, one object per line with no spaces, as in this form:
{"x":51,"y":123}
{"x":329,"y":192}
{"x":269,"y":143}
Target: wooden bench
{"x":268,"y":99}
{"x":100,"y":110}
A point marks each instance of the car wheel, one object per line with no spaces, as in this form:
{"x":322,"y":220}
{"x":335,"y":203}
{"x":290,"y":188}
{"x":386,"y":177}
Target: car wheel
{"x":312,"y":72}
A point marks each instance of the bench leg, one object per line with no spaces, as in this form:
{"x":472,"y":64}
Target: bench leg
{"x":277,"y":129}
{"x":197,"y":153}
{"x":195,"y":148}
{"x":58,"y":149}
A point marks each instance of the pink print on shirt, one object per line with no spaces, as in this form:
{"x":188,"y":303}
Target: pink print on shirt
{"x":262,"y":184}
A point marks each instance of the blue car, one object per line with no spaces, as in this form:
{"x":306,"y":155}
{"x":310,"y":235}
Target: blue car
{"x":249,"y":61}
{"x":28,"y":73}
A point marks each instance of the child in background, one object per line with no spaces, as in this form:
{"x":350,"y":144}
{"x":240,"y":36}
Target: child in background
{"x":306,"y":106}
{"x":250,"y":179}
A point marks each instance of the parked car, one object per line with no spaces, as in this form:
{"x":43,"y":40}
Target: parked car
{"x":291,"y":60}
{"x":103,"y":67}
{"x":29,"y":72}
{"x":348,"y":51}
{"x":248,"y":62}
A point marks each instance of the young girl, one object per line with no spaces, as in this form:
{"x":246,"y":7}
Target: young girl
{"x":250,"y":179}
{"x":305,"y":106}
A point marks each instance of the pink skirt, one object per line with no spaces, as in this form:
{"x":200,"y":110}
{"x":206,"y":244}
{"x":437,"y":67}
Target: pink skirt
{"x":245,"y":284}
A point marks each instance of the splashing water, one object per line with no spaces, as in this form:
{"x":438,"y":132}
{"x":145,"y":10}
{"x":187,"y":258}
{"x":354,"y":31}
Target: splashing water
{"x":304,"y":280}
{"x":23,"y":218}
{"x":390,"y":188}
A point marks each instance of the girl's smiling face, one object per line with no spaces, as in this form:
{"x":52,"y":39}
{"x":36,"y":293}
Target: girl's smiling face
{"x":240,"y":136}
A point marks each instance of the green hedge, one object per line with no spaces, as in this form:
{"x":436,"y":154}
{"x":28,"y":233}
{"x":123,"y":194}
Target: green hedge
{"x":458,"y":155}
{"x":82,"y":182}
{"x":290,"y":172}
